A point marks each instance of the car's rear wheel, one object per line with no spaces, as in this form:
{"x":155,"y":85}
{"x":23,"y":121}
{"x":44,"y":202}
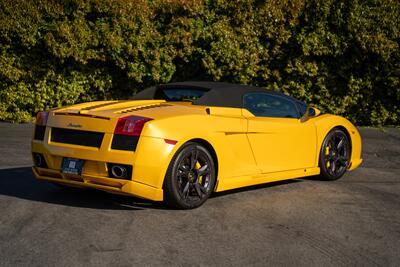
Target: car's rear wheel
{"x":334,"y":155}
{"x":190,"y":178}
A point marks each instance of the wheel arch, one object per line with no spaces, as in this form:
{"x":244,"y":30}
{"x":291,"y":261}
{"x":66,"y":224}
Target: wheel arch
{"x":346,"y":131}
{"x":333,"y":127}
{"x":327,"y":123}
{"x":211,"y":149}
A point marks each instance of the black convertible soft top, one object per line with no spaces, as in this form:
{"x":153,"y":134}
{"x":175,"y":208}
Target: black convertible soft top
{"x":219,"y":94}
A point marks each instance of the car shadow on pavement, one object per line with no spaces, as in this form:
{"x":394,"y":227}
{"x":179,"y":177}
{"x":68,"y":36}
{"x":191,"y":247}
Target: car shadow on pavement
{"x":254,"y":187}
{"x":20,"y":183}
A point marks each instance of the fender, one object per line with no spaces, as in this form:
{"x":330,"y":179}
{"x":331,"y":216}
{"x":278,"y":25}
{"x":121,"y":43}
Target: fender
{"x":153,"y":155}
{"x":325,"y":123}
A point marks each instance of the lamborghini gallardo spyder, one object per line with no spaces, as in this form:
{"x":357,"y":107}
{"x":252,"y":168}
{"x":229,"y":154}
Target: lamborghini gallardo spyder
{"x":180,"y":142}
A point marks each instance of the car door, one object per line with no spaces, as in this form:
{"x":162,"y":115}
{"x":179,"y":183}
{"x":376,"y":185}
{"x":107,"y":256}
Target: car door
{"x":279,"y":139}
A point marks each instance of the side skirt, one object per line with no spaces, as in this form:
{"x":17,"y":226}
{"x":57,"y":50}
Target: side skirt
{"x":242,"y":181}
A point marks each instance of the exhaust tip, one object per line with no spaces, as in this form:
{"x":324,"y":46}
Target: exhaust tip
{"x":118,"y":171}
{"x":39,"y":160}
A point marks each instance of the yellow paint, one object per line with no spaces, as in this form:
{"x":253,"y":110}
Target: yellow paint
{"x":279,"y":144}
{"x":250,"y":150}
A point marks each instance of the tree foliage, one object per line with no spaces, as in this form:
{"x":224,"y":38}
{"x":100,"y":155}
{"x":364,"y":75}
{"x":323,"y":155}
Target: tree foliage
{"x":343,"y":56}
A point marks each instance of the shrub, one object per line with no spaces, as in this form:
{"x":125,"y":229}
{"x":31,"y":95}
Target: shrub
{"x":341,"y":55}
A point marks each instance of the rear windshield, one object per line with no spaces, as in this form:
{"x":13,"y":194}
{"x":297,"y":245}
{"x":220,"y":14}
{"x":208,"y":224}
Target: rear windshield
{"x":179,"y":94}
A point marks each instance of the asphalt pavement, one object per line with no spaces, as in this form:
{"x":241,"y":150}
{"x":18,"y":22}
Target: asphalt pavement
{"x":354,"y":221}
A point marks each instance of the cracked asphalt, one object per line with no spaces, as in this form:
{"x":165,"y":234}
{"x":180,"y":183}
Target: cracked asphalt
{"x":305,"y":222}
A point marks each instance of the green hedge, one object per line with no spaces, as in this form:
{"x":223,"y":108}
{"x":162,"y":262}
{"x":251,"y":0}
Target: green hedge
{"x":342,"y":55}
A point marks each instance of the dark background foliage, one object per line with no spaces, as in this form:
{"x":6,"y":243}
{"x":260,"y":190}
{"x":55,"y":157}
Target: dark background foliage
{"x":341,"y":55}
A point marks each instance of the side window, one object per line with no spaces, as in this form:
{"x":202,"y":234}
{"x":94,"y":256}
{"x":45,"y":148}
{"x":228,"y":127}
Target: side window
{"x":267,"y":105}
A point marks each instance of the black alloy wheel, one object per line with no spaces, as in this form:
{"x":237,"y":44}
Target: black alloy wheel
{"x":190,"y":178}
{"x":335,"y":155}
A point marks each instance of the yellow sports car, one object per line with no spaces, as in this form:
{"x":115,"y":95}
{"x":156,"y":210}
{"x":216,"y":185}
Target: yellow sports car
{"x":179,"y":142}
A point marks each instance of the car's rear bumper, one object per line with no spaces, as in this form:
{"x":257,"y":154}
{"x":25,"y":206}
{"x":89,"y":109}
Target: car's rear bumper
{"x":116,"y":186}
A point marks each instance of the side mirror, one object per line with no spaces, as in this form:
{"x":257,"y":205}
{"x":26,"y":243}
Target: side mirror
{"x":311,"y":112}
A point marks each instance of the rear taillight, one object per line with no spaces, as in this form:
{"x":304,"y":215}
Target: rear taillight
{"x":41,"y":122}
{"x":41,"y":118}
{"x":131,"y":125}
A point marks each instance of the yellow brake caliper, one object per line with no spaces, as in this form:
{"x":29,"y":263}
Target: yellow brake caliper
{"x":328,"y":163}
{"x":198,"y":166}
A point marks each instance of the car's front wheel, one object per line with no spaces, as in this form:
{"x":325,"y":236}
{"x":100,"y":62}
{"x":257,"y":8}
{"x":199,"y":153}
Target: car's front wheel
{"x":334,"y":155}
{"x":190,"y":178}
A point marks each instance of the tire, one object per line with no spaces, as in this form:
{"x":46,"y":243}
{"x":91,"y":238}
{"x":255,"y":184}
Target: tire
{"x":334,"y":155}
{"x":190,"y":178}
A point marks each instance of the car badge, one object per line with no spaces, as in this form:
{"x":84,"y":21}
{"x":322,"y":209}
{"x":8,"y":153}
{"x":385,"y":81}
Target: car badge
{"x":74,"y":125}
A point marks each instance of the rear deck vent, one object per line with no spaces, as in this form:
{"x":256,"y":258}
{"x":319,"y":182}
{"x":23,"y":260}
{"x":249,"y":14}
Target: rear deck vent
{"x":99,"y":105}
{"x":141,"y":108}
{"x":82,"y":115}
